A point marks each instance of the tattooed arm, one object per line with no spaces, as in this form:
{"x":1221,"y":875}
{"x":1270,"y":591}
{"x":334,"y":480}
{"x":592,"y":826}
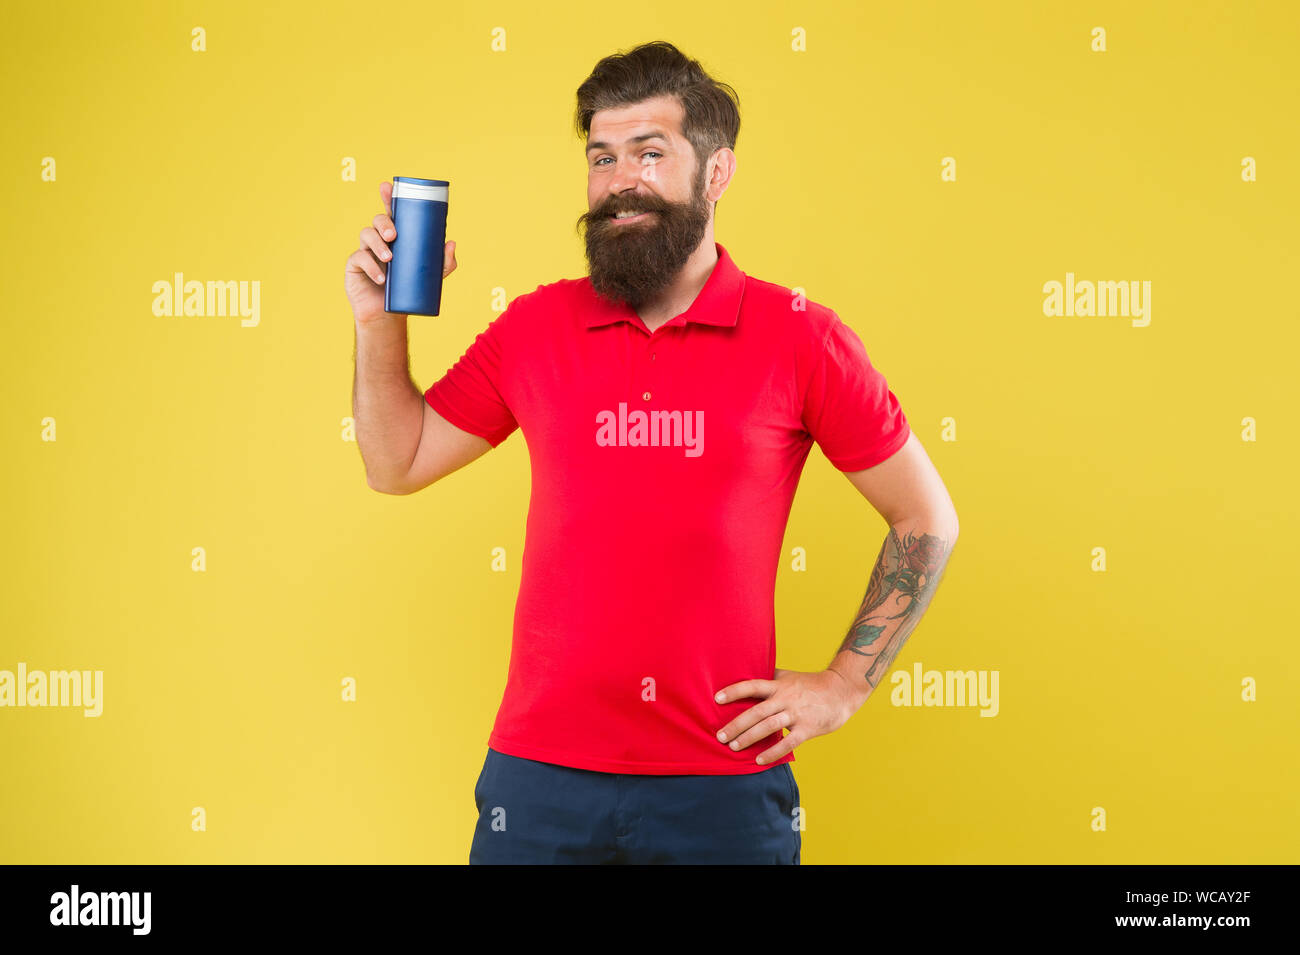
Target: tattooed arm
{"x":908,"y":493}
{"x":904,"y":579}
{"x":908,"y":569}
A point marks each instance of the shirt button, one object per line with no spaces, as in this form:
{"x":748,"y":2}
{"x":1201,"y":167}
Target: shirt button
{"x":646,"y":396}
{"x":652,"y":356}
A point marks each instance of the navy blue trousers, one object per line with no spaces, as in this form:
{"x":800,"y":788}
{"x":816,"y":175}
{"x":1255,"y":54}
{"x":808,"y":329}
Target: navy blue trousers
{"x":543,"y":814}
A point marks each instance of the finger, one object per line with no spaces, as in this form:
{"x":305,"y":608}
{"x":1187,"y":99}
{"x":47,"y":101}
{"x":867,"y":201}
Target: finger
{"x":362,"y":260}
{"x":384,"y":226}
{"x":386,"y":193}
{"x":787,"y":745}
{"x":448,"y":259}
{"x":762,"y":730}
{"x":780,"y":673}
{"x":370,"y":240}
{"x":743,"y":721}
{"x":745,"y":689}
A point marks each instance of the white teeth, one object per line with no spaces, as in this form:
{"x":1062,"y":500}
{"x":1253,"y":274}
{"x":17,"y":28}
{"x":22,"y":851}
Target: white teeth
{"x":624,"y":215}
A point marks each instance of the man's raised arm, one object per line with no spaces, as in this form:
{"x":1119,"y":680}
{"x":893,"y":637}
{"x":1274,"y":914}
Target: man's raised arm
{"x":405,"y":445}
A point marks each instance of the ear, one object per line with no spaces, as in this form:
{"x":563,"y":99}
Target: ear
{"x":722,"y":167}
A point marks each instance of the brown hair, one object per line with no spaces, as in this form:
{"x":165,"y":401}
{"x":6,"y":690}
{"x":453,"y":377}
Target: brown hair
{"x":711,"y":109}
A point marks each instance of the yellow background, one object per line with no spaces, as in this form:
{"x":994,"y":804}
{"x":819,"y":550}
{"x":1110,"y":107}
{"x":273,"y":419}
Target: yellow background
{"x":221,"y":689}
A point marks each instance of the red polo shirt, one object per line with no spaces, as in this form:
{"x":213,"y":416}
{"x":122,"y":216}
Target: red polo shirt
{"x":664,"y":465}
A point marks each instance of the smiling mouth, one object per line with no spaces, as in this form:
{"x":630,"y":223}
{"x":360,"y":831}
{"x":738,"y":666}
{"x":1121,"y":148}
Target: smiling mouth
{"x":620,"y":217}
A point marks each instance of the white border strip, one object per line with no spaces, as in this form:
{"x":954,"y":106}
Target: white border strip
{"x":412,"y":190}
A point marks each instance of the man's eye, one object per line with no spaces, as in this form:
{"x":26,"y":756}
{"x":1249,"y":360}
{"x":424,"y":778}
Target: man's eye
{"x":643,"y":156}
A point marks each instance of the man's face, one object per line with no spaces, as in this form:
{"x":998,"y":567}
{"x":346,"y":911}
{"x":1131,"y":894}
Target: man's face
{"x":638,"y":160}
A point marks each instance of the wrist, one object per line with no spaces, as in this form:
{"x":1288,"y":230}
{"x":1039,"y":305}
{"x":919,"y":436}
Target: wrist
{"x":381,"y":319}
{"x":856,"y":689}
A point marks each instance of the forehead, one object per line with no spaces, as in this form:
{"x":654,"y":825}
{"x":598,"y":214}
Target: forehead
{"x":616,"y":123}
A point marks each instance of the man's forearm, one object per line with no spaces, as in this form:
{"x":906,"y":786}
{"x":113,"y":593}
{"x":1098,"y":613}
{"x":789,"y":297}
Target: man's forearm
{"x":386,"y":404}
{"x":907,"y":572}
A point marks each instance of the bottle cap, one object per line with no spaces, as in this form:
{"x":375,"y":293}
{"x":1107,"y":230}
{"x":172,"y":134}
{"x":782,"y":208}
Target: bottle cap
{"x":405,"y":187}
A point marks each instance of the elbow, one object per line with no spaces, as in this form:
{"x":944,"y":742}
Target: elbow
{"x":940,"y":521}
{"x":384,"y":487}
{"x":943,"y":514}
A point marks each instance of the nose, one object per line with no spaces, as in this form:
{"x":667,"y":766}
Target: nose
{"x":628,"y":174}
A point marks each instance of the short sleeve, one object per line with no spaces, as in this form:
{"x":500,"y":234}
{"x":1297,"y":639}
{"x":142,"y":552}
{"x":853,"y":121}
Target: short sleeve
{"x":848,"y":407}
{"x":469,"y":395}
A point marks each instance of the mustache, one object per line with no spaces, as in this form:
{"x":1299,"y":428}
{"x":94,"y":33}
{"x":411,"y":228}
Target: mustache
{"x":614,"y":206}
{"x":598,"y":216}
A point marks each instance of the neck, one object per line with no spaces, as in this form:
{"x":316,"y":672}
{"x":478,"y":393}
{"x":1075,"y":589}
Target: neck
{"x":683,"y":289}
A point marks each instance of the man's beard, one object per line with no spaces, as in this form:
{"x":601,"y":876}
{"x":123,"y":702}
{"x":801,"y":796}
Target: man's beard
{"x":633,"y":262}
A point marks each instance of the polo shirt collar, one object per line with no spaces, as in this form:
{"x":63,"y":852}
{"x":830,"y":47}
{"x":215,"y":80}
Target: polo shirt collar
{"x":718,"y":302}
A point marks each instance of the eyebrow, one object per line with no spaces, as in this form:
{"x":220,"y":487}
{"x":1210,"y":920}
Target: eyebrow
{"x":653,"y":134}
